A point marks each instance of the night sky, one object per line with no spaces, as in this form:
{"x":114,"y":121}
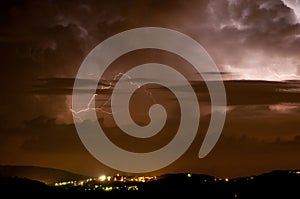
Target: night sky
{"x":256,"y":45}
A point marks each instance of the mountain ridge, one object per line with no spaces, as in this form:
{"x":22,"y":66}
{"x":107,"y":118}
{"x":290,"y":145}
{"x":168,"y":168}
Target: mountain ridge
{"x":50,"y":175}
{"x":46,"y":175}
{"x":273,"y":184}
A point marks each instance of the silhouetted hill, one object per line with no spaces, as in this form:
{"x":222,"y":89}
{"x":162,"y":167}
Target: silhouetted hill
{"x":15,"y":185}
{"x":42,"y":174}
{"x":275,"y":184}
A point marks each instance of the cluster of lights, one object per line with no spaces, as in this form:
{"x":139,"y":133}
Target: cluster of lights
{"x":119,"y":178}
{"x":222,"y":179}
{"x":104,"y":182}
{"x":103,"y":179}
{"x":74,"y":183}
{"x":64,"y":183}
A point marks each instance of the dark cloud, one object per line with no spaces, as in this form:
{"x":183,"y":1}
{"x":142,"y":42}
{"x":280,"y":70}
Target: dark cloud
{"x":245,"y":92}
{"x":261,"y":109}
{"x":43,"y":134}
{"x":260,"y":92}
{"x":46,"y":39}
{"x":263,"y":122}
{"x":238,"y":92}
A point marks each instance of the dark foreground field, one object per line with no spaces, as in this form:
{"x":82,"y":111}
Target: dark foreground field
{"x":279,"y":184}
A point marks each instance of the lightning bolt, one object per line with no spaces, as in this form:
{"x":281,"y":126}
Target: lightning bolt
{"x":285,"y":76}
{"x":101,"y":108}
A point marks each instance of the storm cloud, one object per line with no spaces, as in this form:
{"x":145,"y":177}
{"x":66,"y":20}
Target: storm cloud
{"x":255,"y":45}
